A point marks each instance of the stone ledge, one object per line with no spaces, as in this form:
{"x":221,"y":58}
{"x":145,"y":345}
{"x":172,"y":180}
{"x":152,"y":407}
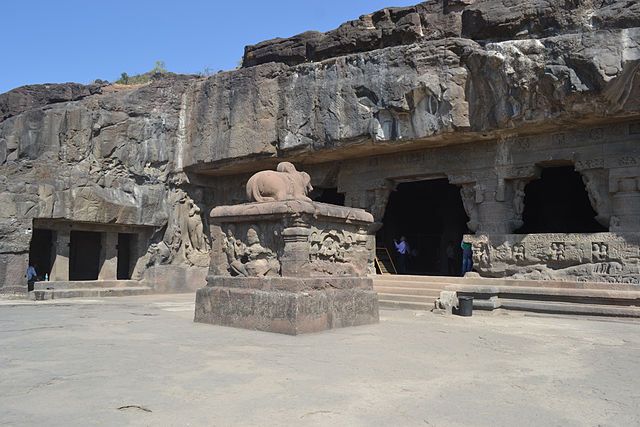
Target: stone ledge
{"x":249,"y":211}
{"x":291,"y":284}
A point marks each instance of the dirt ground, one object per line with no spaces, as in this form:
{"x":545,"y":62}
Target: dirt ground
{"x":142,"y":361}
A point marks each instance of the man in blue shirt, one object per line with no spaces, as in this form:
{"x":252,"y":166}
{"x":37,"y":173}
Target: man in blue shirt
{"x":32,"y":276}
{"x":402,"y":248}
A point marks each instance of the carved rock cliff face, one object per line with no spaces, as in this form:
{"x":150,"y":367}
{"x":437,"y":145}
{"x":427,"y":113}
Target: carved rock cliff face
{"x":401,"y":78}
{"x":434,"y":73}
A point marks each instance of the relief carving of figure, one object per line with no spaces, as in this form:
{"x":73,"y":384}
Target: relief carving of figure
{"x":556,"y":251}
{"x":518,"y":252}
{"x":592,"y":191}
{"x":285,"y":183}
{"x":250,"y":259}
{"x":331,"y":246}
{"x":599,"y":251}
{"x":518,"y":199}
{"x":195,"y":228}
{"x":481,"y":255}
{"x":467,"y":193}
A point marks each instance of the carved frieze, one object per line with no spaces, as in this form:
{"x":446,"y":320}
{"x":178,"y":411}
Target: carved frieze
{"x":600,"y":257}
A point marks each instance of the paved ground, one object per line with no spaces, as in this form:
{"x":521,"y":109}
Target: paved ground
{"x":141,"y":361}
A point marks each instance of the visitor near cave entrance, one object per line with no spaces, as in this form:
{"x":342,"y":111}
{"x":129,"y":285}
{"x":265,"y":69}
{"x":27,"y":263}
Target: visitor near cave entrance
{"x":32,"y":276}
{"x":467,"y":257}
{"x":403,"y":251}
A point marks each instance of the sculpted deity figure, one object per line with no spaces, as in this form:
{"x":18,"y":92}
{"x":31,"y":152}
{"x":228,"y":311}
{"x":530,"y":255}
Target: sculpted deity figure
{"x":285,"y":183}
{"x":250,"y":259}
{"x":260,"y":260}
{"x":235,"y":250}
{"x":468,"y":194}
{"x":195,"y":228}
{"x":518,"y":199}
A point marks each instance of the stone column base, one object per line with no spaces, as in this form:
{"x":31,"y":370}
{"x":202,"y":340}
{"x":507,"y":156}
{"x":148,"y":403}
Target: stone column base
{"x":287,"y":305}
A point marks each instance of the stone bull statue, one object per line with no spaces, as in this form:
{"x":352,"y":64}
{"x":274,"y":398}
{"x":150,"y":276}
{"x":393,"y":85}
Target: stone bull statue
{"x":285,"y":183}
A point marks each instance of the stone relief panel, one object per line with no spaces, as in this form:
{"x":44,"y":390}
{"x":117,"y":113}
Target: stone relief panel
{"x":250,"y":250}
{"x":337,"y":252}
{"x":248,"y":257}
{"x":597,"y":257}
{"x":183,"y":239}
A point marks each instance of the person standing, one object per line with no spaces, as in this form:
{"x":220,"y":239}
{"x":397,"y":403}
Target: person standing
{"x":467,"y":257}
{"x":402,"y":249}
{"x":32,"y":276}
{"x":451,"y":259}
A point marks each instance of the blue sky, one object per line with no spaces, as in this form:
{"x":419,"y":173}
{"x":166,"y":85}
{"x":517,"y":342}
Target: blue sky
{"x":83,"y":40}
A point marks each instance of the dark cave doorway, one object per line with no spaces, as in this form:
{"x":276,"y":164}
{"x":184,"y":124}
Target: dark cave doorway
{"x":40,"y":252}
{"x":84,"y":255}
{"x":431,"y":216}
{"x":327,"y":195}
{"x":123,"y":271}
{"x":558,"y":203}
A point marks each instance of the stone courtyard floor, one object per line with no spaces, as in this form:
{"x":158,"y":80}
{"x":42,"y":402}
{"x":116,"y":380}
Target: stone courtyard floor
{"x":142,"y":361}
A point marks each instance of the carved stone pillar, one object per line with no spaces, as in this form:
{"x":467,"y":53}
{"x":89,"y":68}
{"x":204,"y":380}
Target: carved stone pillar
{"x":60,"y":267}
{"x":109,"y":257}
{"x":596,"y":183}
{"x":494,"y":201}
{"x":295,"y":259}
{"x":624,"y":183}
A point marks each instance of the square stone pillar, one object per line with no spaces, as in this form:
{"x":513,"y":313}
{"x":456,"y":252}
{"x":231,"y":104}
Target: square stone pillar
{"x":109,"y":257}
{"x":289,"y":267}
{"x":60,"y":267}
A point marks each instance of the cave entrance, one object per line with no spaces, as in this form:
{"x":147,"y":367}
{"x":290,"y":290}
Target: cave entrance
{"x":558,"y":203}
{"x":327,"y":195}
{"x":431,"y":216}
{"x":84,"y":255}
{"x":124,"y":256}
{"x":40,"y":252}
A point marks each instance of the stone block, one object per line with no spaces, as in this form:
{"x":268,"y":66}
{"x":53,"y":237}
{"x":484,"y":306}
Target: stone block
{"x":289,"y":312}
{"x":13,"y":268}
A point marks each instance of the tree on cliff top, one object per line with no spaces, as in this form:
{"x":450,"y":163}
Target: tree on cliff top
{"x":126,"y":79}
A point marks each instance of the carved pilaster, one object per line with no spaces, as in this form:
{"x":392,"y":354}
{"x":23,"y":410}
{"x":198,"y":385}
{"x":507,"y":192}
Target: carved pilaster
{"x":596,"y":184}
{"x":624,"y":184}
{"x":294,"y":261}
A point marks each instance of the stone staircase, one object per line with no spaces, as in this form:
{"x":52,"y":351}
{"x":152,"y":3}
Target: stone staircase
{"x":410,"y":292}
{"x":87,"y":289}
{"x":584,"y":298}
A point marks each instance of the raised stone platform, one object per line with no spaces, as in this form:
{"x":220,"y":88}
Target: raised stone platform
{"x":292,"y":267}
{"x":87,"y":289}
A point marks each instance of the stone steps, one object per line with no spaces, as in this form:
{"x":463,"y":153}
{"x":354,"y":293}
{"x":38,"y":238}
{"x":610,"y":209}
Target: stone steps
{"x":49,"y":294}
{"x":407,"y":305}
{"x":598,"y":299}
{"x":417,"y":291}
{"x":85,"y":284}
{"x":612,"y":297}
{"x":581,"y":298}
{"x":559,"y":307}
{"x":408,"y":292}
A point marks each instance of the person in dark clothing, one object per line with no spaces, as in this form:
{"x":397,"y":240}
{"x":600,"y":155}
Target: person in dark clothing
{"x":402,"y":250}
{"x":32,"y":276}
{"x":451,"y":259}
{"x":467,"y":257}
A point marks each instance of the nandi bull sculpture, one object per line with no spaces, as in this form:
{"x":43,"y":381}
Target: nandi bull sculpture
{"x":285,"y":183}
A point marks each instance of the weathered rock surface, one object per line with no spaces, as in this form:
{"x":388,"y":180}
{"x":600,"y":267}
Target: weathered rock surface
{"x":28,"y":97}
{"x":433,"y":72}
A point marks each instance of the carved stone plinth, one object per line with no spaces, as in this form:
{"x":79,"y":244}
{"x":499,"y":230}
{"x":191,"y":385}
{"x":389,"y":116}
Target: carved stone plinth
{"x":289,"y":267}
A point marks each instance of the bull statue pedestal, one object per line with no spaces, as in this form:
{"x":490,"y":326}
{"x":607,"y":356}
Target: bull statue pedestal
{"x":288,"y":266}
